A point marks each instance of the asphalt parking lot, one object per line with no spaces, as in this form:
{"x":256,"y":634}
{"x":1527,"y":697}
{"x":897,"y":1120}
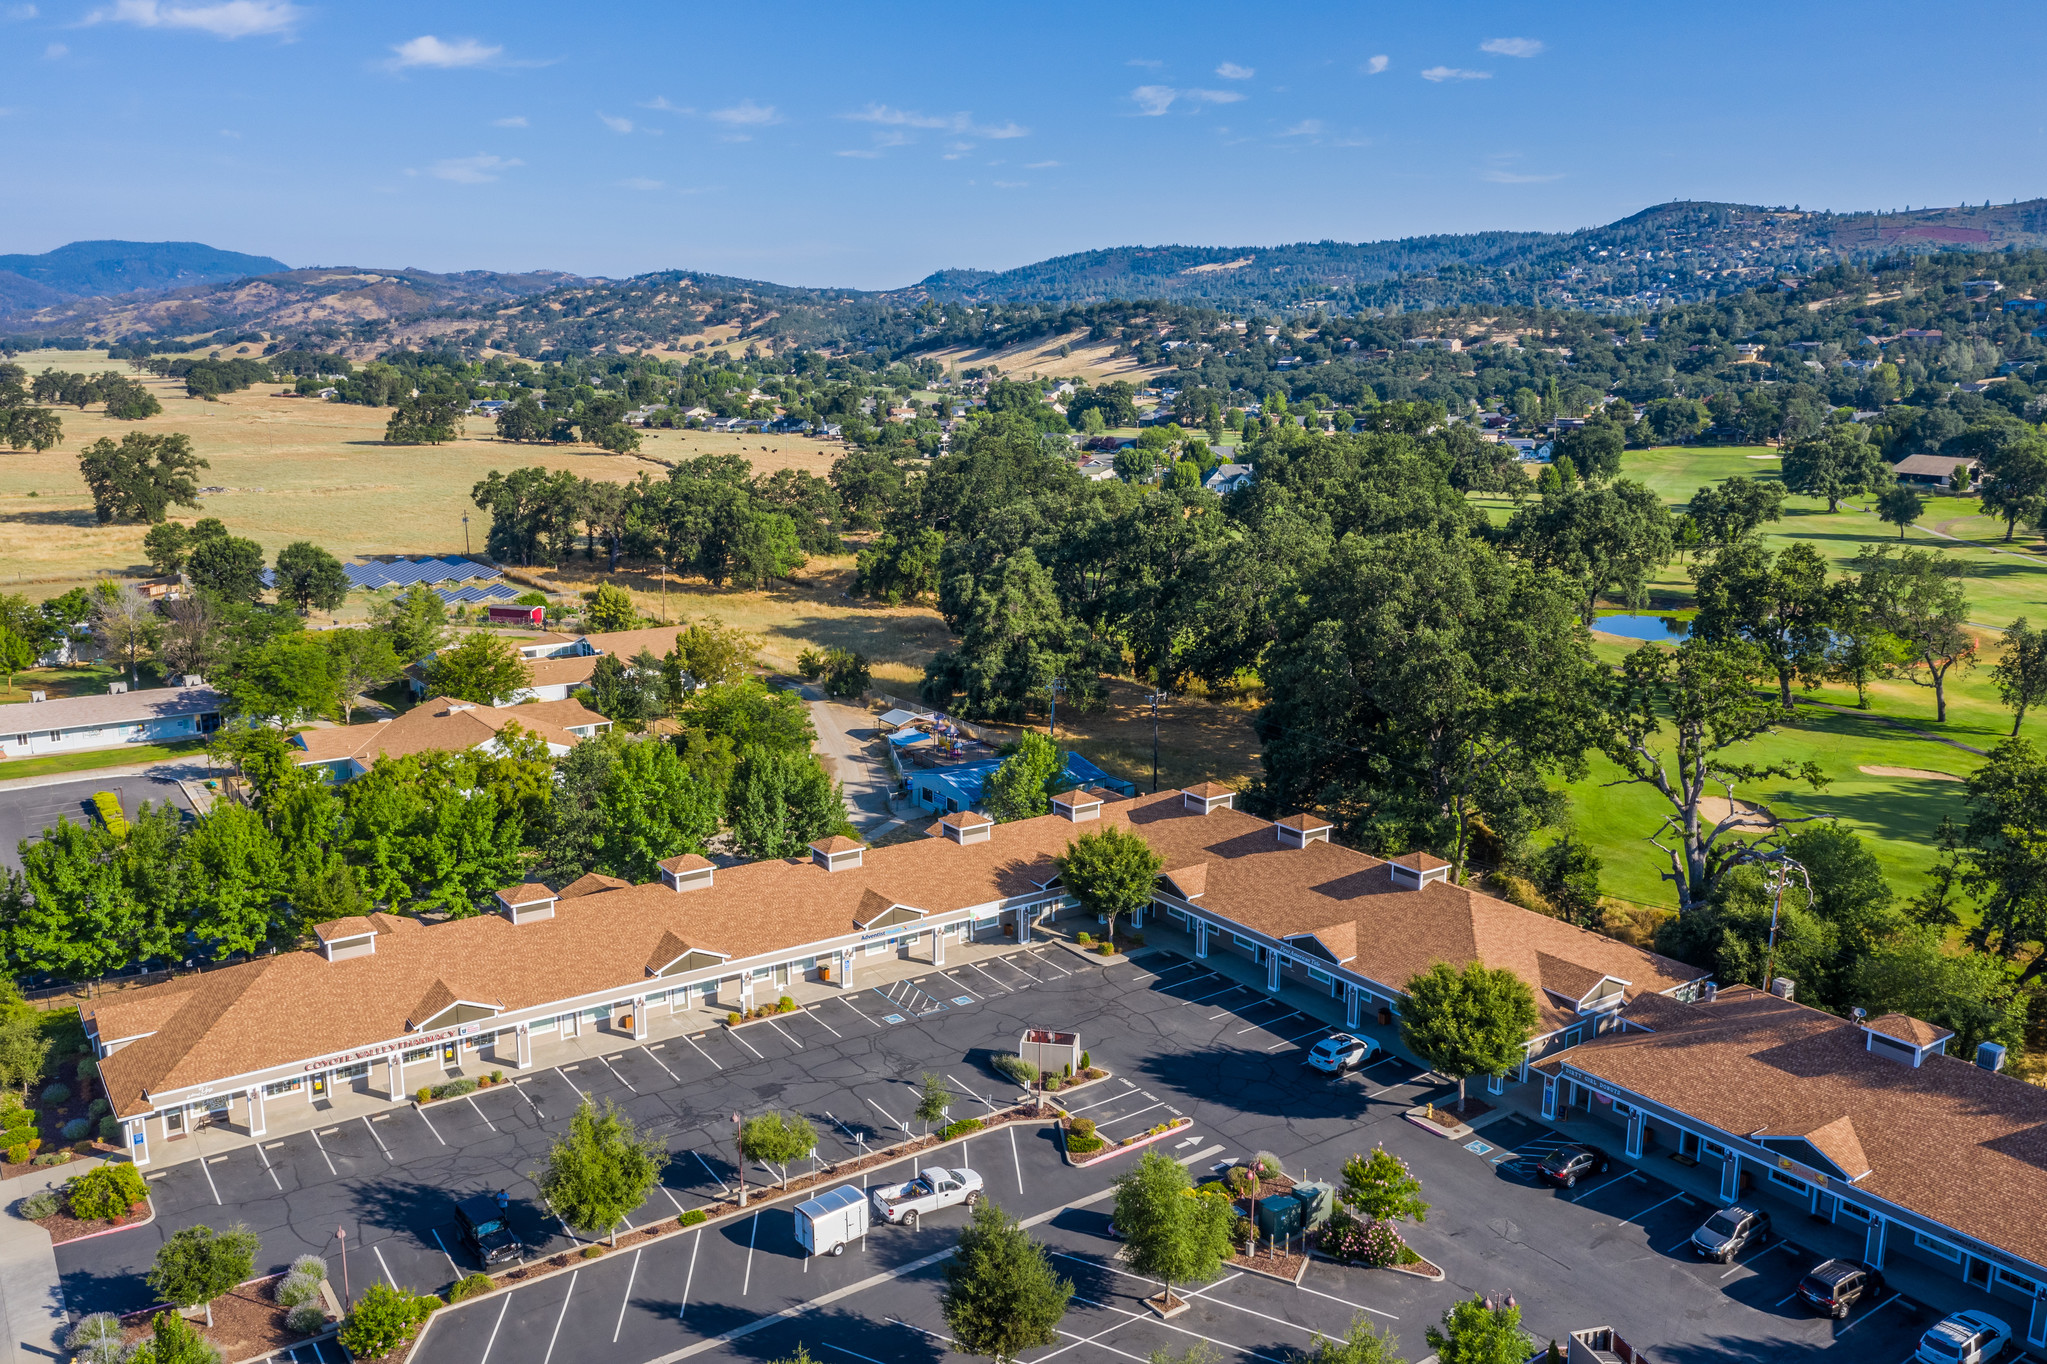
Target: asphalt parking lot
{"x":1180,"y":1039}
{"x":26,"y":812}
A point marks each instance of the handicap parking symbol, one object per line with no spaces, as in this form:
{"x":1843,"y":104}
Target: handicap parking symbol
{"x":1477,"y":1148}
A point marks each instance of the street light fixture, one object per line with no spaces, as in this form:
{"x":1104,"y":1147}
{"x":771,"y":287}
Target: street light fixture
{"x":1055,"y":686}
{"x":1155,"y":698}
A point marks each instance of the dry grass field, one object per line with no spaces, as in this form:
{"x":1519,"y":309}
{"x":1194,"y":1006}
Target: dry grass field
{"x":296,"y":469}
{"x":1096,"y":363}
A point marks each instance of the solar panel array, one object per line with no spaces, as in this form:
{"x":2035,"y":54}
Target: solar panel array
{"x":496,"y":592}
{"x":406,"y":572}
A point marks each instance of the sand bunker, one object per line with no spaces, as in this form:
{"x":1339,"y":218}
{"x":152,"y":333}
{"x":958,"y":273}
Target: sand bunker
{"x":1912,"y":772}
{"x":1714,"y":809}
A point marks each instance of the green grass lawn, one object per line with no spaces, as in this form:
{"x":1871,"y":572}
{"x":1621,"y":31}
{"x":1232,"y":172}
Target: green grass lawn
{"x":126,"y":756}
{"x":1897,"y":816}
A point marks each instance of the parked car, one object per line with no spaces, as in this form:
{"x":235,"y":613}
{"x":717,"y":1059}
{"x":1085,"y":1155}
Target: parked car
{"x":929,"y":1192}
{"x":1341,"y":1053}
{"x":1964,"y":1338}
{"x":1730,"y":1231}
{"x":481,"y":1220}
{"x":1837,"y":1285}
{"x":1568,"y":1164}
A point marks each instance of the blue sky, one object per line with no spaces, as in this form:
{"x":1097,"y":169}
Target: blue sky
{"x":869,"y":145}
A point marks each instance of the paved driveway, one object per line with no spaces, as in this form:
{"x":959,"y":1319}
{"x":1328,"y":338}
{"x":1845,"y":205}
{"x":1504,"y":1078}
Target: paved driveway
{"x":25,"y":811}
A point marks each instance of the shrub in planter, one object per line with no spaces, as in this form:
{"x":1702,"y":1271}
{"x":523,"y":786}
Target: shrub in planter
{"x":733,"y":1020}
{"x":469,"y":1285}
{"x":54,"y":1095}
{"x":1086,"y":1061}
{"x":18,"y":1153}
{"x":497,"y":1077}
{"x":1084,"y":938}
{"x":96,"y":1339}
{"x":384,"y":1318}
{"x":99,"y":1108}
{"x":592,"y":1252}
{"x":692,"y":1218}
{"x":110,"y":1130}
{"x":785,"y":1005}
{"x":1267,"y":1163}
{"x":1081,"y":1143}
{"x":295,"y":1290}
{"x":425,"y":1095}
{"x":42,"y":1203}
{"x":308,"y":1318}
{"x":1360,"y":1241}
{"x":105,"y":1193}
{"x":1016,"y":1068}
{"x":960,"y":1128}
{"x":77,"y":1129}
{"x":310,"y":1265}
{"x":1107,"y":949}
{"x":52,"y":1158}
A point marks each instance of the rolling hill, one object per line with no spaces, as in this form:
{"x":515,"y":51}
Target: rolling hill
{"x":109,"y":268}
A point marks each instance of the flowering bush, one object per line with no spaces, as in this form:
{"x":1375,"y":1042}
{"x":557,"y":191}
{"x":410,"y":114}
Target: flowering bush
{"x":1355,"y":1241}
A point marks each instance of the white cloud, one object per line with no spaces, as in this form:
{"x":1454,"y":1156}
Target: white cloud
{"x":1039,"y":165}
{"x":1230,"y":71}
{"x":229,"y":132}
{"x":1307,"y":127}
{"x":1153,"y":100}
{"x":1511,"y":47}
{"x":961,"y":124}
{"x":1454,"y":73}
{"x":864,"y":153}
{"x":747,"y":114}
{"x":18,"y":13}
{"x":442,"y":54}
{"x":479,"y":169}
{"x":1376,"y":65}
{"x":1507,"y":177}
{"x":1010,"y":184}
{"x":639,"y":182}
{"x":1145,"y":62}
{"x":514,"y":121}
{"x":228,"y":19}
{"x":55,"y":51}
{"x":661,"y":103}
{"x":617,"y":125}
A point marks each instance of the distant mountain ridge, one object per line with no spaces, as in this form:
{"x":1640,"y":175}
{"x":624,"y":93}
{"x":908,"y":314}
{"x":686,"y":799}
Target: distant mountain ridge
{"x":104,"y":269}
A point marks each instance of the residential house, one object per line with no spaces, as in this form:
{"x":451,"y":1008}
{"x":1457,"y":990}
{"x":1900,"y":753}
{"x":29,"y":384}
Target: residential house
{"x":1934,"y":471}
{"x":75,"y":724}
{"x":1228,"y":478}
{"x":446,"y":725}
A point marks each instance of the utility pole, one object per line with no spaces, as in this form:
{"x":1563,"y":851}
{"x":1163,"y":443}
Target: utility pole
{"x":1055,"y":686}
{"x":346,"y":1296}
{"x":1155,"y":698}
{"x":465,"y":535}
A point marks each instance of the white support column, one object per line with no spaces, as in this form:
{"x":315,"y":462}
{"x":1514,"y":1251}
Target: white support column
{"x":1496,"y":1084}
{"x":746,"y":989}
{"x":1354,"y":1006}
{"x":136,"y":1130}
{"x":1023,"y":923}
{"x":1201,"y":937}
{"x":1636,"y":1124}
{"x":1730,"y":1178}
{"x":1549,"y":1098}
{"x":1873,"y":1243}
{"x":394,"y":1075}
{"x":1271,"y":971}
{"x":1137,"y":917}
{"x":845,"y":971}
{"x":938,"y":946}
{"x":1521,"y":1075}
{"x":256,"y":1127}
{"x":640,"y":1019}
{"x":525,"y":1047}
{"x":2036,"y":1324}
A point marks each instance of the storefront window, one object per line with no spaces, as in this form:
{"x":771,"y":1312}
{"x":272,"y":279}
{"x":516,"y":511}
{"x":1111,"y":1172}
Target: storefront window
{"x":277,"y":1087}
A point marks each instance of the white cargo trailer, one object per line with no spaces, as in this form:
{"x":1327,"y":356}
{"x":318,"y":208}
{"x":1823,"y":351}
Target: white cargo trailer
{"x":827,"y":1223}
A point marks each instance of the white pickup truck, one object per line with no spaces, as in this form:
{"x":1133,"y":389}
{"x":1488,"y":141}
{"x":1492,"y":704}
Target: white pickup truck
{"x":903,"y":1204}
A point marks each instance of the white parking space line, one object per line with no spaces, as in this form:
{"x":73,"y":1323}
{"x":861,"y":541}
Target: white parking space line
{"x":431,"y":1128}
{"x":1126,"y":1117}
{"x":732,"y":1036}
{"x":998,"y":984}
{"x":1179,"y":1330}
{"x":648,"y":1052}
{"x":1045,"y":959}
{"x":973,"y":992}
{"x":778,"y":1028}
{"x":753,"y":1228}
{"x":558,"y":1320}
{"x":858,"y":1141}
{"x":494,"y":1330}
{"x":884,"y":1113}
{"x":324,"y":1156}
{"x":480,"y":1113}
{"x":695,"y":1243}
{"x":1255,"y":1027}
{"x":379,"y":1140}
{"x":699,"y":1050}
{"x":818,"y":1018}
{"x":1184,"y":965}
{"x":855,"y":1353}
{"x":209,"y":1181}
{"x":630,"y":1276}
{"x":970,"y":1094}
{"x":1348,"y":1303}
{"x":709,"y":1171}
{"x":1652,"y":1208}
{"x":1624,"y":1174}
{"x":863,"y":1017}
{"x":606,"y":1061}
{"x":267,"y":1168}
{"x":1016,"y":1156}
{"x":1318,"y":1028}
{"x":1217,"y":995}
{"x":444,"y":1251}
{"x":1867,"y":1315}
{"x":1130,"y":1089}
{"x":580,"y":1095}
{"x":388,"y":1278}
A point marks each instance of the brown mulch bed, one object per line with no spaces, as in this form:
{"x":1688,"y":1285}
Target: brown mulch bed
{"x":63,"y":1227}
{"x":246,"y":1322}
{"x":1284,"y":1265}
{"x":1456,"y":1116}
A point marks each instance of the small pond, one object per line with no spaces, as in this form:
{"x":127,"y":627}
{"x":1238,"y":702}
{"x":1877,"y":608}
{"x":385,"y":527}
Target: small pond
{"x":1643,"y":627}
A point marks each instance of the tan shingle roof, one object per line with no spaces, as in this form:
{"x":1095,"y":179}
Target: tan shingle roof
{"x":686,"y":862}
{"x":1188,"y":882}
{"x":1906,"y":1028}
{"x":354,"y":926}
{"x":446,"y":725}
{"x":288,"y":1008}
{"x":1420,"y":861}
{"x":1946,"y":1139}
{"x":1304,"y":823}
{"x":1209,"y":790}
{"x":593,"y":883}
{"x":838,"y":843}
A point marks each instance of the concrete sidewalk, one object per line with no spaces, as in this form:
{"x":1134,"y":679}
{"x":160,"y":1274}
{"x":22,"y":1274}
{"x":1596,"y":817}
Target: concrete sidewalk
{"x":33,"y":1317}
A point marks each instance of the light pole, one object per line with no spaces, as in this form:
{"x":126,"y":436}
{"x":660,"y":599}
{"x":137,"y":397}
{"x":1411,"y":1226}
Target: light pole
{"x":1155,"y":698}
{"x":465,"y":535}
{"x":346,"y":1296}
{"x":1778,"y":877}
{"x":1055,"y":686}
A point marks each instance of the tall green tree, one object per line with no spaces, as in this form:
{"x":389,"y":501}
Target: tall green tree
{"x":198,"y":1264}
{"x":141,"y":477}
{"x":1476,"y":1332}
{"x":1112,"y":873}
{"x":484,"y":668}
{"x":228,"y":566}
{"x":2018,"y":489}
{"x":1001,"y":1295}
{"x":1018,"y":789}
{"x":1900,"y":505}
{"x":1175,"y":1233}
{"x":2004,"y":862}
{"x":166,"y":545}
{"x":1470,"y":1022}
{"x":1015,"y":639}
{"x":1974,"y":994}
{"x":602,"y":1168}
{"x":1736,"y":508}
{"x":2020,"y":671}
{"x":416,"y":620}
{"x":1834,"y":466}
{"x":652,"y":808}
{"x":781,"y":802}
{"x":1916,"y":595}
{"x":358,"y":662}
{"x":1609,"y":539}
{"x":1777,"y":603}
{"x":308,"y":576}
{"x":287,"y":680}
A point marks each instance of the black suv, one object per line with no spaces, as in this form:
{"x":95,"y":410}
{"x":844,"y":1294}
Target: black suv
{"x":1568,"y":1164}
{"x":1838,"y":1285}
{"x":483,"y":1226}
{"x":1730,"y":1231}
